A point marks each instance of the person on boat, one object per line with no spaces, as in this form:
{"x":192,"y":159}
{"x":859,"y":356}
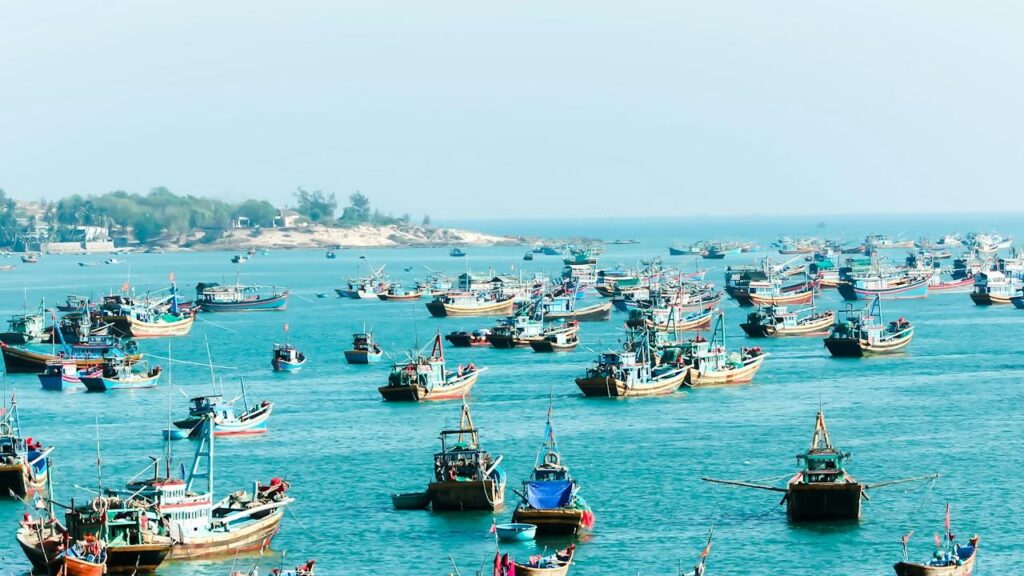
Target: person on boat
{"x":471,"y":368}
{"x":458,"y":371}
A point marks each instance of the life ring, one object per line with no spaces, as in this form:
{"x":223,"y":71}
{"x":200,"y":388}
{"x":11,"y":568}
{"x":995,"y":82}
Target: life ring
{"x":5,"y":428}
{"x":99,"y":505}
{"x":552,"y":459}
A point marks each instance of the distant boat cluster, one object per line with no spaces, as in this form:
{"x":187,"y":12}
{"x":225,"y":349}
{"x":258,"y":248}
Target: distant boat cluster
{"x":674,"y":324}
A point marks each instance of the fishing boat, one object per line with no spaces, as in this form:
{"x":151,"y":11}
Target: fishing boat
{"x":124,"y":537}
{"x":30,"y":259}
{"x":949,"y":559}
{"x":519,"y":329}
{"x":330,"y":255}
{"x":364,"y":349}
{"x":151,"y":317}
{"x":212,"y":297}
{"x":395,"y":293}
{"x":863,"y":333}
{"x":557,"y":338}
{"x":7,"y":268}
{"x":117,"y":374}
{"x":366,"y":287}
{"x":463,"y":339}
{"x":201,"y":525}
{"x":566,"y":308}
{"x":528,"y":256}
{"x":456,"y":252}
{"x":287,"y":358}
{"x":74,"y":328}
{"x":471,"y":304}
{"x":937,"y":284}
{"x":885,"y":286}
{"x":253,"y":419}
{"x":670,"y":318}
{"x":709,"y":362}
{"x":550,"y":499}
{"x":687,"y":250}
{"x":823,"y":489}
{"x":89,"y":354}
{"x":466,"y":477}
{"x":26,"y":328}
{"x":995,"y":288}
{"x":239,"y":259}
{"x":556,"y":564}
{"x":23,"y":460}
{"x":780,"y":321}
{"x":425,"y":378}
{"x":63,"y":375}
{"x":772,"y":292}
{"x":630,"y":372}
{"x":73,"y":303}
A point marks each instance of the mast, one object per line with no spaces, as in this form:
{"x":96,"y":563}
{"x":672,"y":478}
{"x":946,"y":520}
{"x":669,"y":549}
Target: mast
{"x":203,"y":455}
{"x":820,"y":441}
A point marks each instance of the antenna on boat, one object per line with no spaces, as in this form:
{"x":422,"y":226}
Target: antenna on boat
{"x":209,"y":358}
{"x":170,"y":390}
{"x":99,"y":460}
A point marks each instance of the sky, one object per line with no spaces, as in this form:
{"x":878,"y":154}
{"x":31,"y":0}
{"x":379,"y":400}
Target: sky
{"x":522,"y":109}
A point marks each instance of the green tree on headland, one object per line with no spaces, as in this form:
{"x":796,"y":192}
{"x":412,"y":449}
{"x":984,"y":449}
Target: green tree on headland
{"x":259,"y":212}
{"x":316,"y":205}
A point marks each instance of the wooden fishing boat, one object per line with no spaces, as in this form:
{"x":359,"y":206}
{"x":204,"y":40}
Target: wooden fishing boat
{"x":364,"y":349}
{"x":520,"y":329}
{"x":395,"y":293}
{"x":557,"y":564}
{"x":456,"y":252}
{"x":425,"y":378}
{"x":995,"y":288}
{"x":822,"y":490}
{"x":665,"y":319}
{"x":771,"y":292}
{"x":24,"y":465}
{"x":7,"y":268}
{"x":779,"y":321}
{"x":950,"y":559}
{"x":630,"y":372}
{"x":899,"y":287}
{"x":463,"y":339}
{"x":960,"y":286}
{"x":528,"y":257}
{"x":30,"y":259}
{"x":212,"y":297}
{"x":559,"y":338}
{"x":863,"y":333}
{"x":26,"y":328}
{"x":471,"y":304}
{"x":709,"y":363}
{"x":86,"y":355}
{"x":158,"y":326}
{"x":550,"y":498}
{"x":253,"y":419}
{"x":63,"y":375}
{"x":287,"y":358}
{"x":410,"y":500}
{"x":117,"y":374}
{"x":466,"y":477}
{"x":74,"y":328}
{"x":565,"y":308}
{"x":153,"y":316}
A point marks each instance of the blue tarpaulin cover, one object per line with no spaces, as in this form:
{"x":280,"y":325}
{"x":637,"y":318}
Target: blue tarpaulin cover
{"x":547,"y":495}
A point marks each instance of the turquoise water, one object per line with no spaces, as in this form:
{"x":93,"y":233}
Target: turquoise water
{"x":950,"y":405}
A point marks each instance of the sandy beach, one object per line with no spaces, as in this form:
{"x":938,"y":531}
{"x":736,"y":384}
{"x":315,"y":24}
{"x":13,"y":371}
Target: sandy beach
{"x":365,"y":236}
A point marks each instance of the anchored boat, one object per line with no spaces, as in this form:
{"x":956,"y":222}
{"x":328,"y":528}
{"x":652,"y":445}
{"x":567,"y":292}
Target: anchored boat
{"x":709,"y":363}
{"x":994,"y":287}
{"x":253,"y":419}
{"x":424,"y":378}
{"x":212,"y":297}
{"x":863,"y":333}
{"x":23,"y":461}
{"x":557,"y":338}
{"x":87,"y":355}
{"x":631,"y":371}
{"x":550,"y":499}
{"x":117,"y":374}
{"x":463,"y":339}
{"x":364,"y":349}
{"x":466,"y":477}
{"x":471,"y":304}
{"x":823,"y":489}
{"x":950,"y":559}
{"x":779,"y":321}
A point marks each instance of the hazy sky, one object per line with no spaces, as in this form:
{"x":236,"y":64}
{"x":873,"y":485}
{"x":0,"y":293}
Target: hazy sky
{"x":495,"y":109}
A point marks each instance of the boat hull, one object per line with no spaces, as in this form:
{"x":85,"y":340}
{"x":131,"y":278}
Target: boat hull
{"x":271,"y":304}
{"x":593,"y":313}
{"x":252,"y":536}
{"x":854,"y":348}
{"x":100,"y":384}
{"x":555,"y":521}
{"x":284,"y":366}
{"x":362,"y":357}
{"x":909,"y":291}
{"x":961,"y":286}
{"x":440,"y":309}
{"x":914,"y":569}
{"x":818,"y":502}
{"x":399,"y":297}
{"x":16,"y":479}
{"x":549,"y":346}
{"x":990,"y":299}
{"x":417,"y":393}
{"x":22,"y":360}
{"x":132,"y":328}
{"x":818,"y":327}
{"x":602,"y":387}
{"x":474,"y":495}
{"x":740,"y":375}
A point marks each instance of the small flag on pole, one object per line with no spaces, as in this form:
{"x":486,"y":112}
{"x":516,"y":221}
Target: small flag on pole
{"x":171,"y":276}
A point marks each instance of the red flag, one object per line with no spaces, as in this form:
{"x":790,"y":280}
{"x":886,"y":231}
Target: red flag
{"x":171,"y":276}
{"x":125,"y":287}
{"x":938,"y":541}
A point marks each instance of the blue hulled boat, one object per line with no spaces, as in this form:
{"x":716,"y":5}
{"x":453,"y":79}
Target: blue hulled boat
{"x":287,"y":358}
{"x":364,"y":350}
{"x":212,"y":297}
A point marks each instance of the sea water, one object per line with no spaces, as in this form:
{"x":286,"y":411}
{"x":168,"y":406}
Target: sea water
{"x":951,"y":405}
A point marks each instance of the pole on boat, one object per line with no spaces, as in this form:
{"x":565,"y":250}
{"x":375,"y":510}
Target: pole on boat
{"x":744,"y":484}
{"x":901,"y":481}
{"x":99,"y":461}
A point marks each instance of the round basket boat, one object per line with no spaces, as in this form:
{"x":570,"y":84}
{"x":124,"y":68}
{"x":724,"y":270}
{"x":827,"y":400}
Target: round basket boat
{"x":516,"y":531}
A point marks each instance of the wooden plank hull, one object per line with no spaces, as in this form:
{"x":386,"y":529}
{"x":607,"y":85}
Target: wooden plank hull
{"x":562,"y":570}
{"x":248,"y":538}
{"x":556,"y":521}
{"x":594,"y":313}
{"x":549,"y":346}
{"x":822,"y":501}
{"x":417,"y":393}
{"x":741,"y":375}
{"x":854,"y":348}
{"x":134,"y":328}
{"x":602,"y":387}
{"x":16,"y":479}
{"x":475,"y":495}
{"x":746,"y":299}
{"x":22,"y":360}
{"x":440,"y":309}
{"x":990,"y":299}
{"x":915,"y":569}
{"x":818,"y":327}
{"x":399,"y":297}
